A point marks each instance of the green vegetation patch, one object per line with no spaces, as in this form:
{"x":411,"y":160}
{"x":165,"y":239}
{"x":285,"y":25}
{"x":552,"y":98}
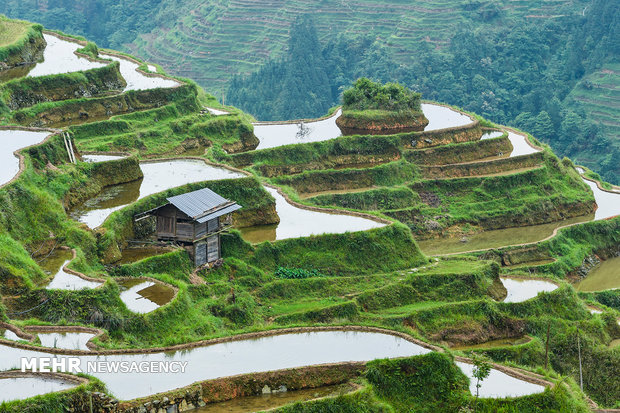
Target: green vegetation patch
{"x":29,"y":91}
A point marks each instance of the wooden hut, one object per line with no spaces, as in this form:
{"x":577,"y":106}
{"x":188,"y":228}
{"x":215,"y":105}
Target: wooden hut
{"x":195,"y":219}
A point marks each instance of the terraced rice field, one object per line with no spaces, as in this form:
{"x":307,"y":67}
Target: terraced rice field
{"x":598,"y":95}
{"x":214,"y":40}
{"x":11,"y":31}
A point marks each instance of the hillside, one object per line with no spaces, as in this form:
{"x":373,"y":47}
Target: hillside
{"x":386,"y":264}
{"x":546,"y":48}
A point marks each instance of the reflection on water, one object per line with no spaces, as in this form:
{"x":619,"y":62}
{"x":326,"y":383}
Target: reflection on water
{"x":54,"y":264}
{"x":495,"y":238}
{"x":158,"y":176}
{"x":238,"y":357}
{"x":58,"y":57}
{"x":9,"y":335}
{"x":217,"y":112}
{"x":137,"y":80}
{"x":71,"y":341}
{"x":502,"y":342}
{"x":143,"y":296}
{"x":15,"y":72}
{"x":10,"y":141}
{"x":608,"y":203}
{"x":441,"y":117}
{"x":93,"y":158}
{"x":271,"y":401}
{"x":605,"y":276}
{"x":520,"y":290}
{"x":135,"y":254}
{"x":271,"y":136}
{"x":520,"y":145}
{"x":491,"y":134}
{"x":499,"y":384}
{"x":23,"y":387}
{"x":297,"y":222}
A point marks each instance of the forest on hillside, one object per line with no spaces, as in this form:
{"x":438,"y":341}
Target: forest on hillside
{"x":555,"y":77}
{"x":519,"y":76}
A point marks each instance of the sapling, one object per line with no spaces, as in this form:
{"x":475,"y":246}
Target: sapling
{"x":482,"y":369}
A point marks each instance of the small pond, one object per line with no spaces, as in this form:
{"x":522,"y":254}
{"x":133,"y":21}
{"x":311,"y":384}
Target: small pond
{"x":54,"y":265}
{"x":272,"y":135}
{"x":520,"y":290}
{"x":495,"y":238}
{"x":158,"y":176}
{"x":16,"y":388}
{"x":67,"y":340}
{"x":442,"y":117}
{"x":59,"y":57}
{"x":137,"y":80}
{"x":135,"y":254}
{"x":297,"y":222}
{"x":11,"y":141}
{"x":143,"y":296}
{"x":605,"y":276}
{"x":499,"y":384}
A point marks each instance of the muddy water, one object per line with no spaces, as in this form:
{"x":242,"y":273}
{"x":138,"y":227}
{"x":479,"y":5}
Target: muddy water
{"x":143,"y":296}
{"x":15,"y":72}
{"x":615,"y":343}
{"x":131,"y":255}
{"x":271,"y":136}
{"x":238,"y":357}
{"x":297,"y":222}
{"x":504,"y":342}
{"x":24,"y":387}
{"x":499,"y":384}
{"x":62,"y":280}
{"x":136,"y":80}
{"x":158,"y":176}
{"x":520,"y":290}
{"x":272,"y":401}
{"x":10,"y":141}
{"x":71,"y":341}
{"x":496,"y":238}
{"x":605,"y":276}
{"x":441,"y":117}
{"x":59,"y":57}
{"x":608,"y":205}
{"x":100,"y":158}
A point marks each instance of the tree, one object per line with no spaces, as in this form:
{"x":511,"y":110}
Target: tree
{"x":482,"y":369}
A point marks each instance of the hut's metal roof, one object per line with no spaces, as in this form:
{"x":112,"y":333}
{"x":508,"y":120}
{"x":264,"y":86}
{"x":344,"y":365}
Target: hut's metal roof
{"x":203,"y":204}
